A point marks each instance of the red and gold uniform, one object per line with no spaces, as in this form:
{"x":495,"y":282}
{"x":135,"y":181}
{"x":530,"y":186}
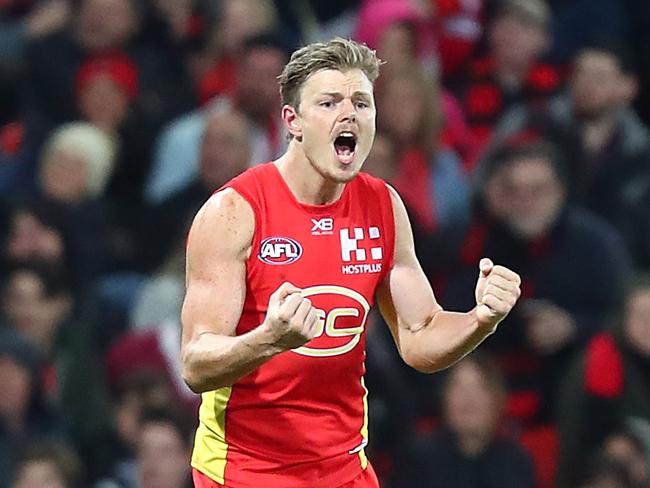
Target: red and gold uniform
{"x":301,"y":419}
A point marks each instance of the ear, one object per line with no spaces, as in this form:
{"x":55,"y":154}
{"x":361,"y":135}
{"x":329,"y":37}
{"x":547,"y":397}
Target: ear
{"x":292,"y":121}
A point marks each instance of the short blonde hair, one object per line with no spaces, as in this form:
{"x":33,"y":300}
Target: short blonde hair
{"x":97,"y":149}
{"x":338,"y":54}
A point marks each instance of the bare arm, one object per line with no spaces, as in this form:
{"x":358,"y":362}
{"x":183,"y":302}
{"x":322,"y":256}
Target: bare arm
{"x":218,"y":246}
{"x":428,"y":337}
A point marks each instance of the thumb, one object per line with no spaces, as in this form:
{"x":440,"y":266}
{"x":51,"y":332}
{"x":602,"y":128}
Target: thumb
{"x":283,"y":291}
{"x":485,"y":267}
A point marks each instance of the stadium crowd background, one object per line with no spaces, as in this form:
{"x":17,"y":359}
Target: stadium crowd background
{"x":514,"y":129}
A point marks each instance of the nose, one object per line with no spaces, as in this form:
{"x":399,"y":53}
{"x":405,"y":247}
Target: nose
{"x":349,"y":112}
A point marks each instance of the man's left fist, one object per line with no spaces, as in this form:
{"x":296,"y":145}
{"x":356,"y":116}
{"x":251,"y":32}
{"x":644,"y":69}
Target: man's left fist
{"x":497,"y":291}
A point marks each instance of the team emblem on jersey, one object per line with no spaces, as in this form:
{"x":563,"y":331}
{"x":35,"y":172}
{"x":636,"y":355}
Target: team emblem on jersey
{"x":342,"y":315}
{"x":279,"y":250}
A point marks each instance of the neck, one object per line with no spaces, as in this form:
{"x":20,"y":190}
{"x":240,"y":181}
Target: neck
{"x":304,"y":181}
{"x":472,"y":444}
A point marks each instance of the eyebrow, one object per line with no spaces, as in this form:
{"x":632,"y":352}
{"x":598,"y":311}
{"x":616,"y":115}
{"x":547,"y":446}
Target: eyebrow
{"x":357,"y":94}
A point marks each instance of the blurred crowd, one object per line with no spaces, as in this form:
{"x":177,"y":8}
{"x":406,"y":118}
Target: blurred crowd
{"x":514,"y":129}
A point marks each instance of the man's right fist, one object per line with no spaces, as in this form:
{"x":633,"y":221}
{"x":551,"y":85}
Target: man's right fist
{"x":290,"y":319}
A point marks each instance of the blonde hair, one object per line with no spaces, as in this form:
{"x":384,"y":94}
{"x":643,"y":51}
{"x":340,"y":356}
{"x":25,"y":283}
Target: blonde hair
{"x":338,"y":54}
{"x":97,"y":149}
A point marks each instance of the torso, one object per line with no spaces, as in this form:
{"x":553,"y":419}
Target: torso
{"x":300,"y":420}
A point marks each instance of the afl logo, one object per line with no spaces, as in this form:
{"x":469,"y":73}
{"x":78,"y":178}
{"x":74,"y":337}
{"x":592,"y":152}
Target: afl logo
{"x":279,"y":250}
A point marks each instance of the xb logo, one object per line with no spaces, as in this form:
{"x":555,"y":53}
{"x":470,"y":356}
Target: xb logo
{"x":339,"y":328}
{"x":322,"y":226}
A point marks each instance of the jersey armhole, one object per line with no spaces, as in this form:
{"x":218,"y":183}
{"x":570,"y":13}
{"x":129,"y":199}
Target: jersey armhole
{"x":388,"y":215}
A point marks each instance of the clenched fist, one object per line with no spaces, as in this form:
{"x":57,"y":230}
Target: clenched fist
{"x":497,"y":291}
{"x":291,"y":319}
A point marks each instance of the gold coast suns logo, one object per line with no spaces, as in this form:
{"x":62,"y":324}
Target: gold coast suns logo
{"x":339,"y":327}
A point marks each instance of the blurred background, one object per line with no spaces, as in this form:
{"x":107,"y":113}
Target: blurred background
{"x":515,"y":129}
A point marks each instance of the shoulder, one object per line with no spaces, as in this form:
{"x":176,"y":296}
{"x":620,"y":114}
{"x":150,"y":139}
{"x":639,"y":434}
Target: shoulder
{"x":225,"y":222}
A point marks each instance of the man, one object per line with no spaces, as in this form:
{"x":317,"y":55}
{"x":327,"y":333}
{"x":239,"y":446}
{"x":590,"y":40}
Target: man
{"x":602,"y":138}
{"x":572,"y":264}
{"x":164,"y":442}
{"x":302,"y":246}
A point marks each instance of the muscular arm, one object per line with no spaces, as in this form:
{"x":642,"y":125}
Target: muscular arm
{"x":429,"y":338}
{"x":218,"y":246}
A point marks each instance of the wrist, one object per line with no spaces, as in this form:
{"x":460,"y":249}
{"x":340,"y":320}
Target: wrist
{"x":486,"y":324}
{"x":267,"y":339}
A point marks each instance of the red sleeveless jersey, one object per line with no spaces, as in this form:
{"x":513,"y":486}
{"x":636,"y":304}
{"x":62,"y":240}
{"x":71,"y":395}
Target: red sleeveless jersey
{"x":301,"y":420}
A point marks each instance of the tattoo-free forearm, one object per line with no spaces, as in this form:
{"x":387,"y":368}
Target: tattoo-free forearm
{"x":445,"y":339}
{"x":212,"y":361}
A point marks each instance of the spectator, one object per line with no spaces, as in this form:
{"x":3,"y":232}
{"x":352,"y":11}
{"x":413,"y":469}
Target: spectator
{"x":24,"y":416}
{"x":136,"y":388}
{"x":603,"y":139}
{"x":163,"y":454}
{"x":164,"y":441}
{"x":239,"y":21}
{"x":606,"y":384}
{"x":75,"y":169}
{"x":399,"y":31}
{"x":425,"y":168}
{"x":77,"y":163}
{"x":626,"y":447}
{"x":606,"y":474}
{"x":37,"y":301}
{"x":467,"y":451}
{"x":34,"y":232}
{"x":510,"y":72}
{"x":428,"y":176}
{"x":101,"y":27}
{"x":394,"y":28}
{"x":49,"y":465}
{"x":256,"y":96}
{"x":526,"y":223}
{"x":224,"y":152}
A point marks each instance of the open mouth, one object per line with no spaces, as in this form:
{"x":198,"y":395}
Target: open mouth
{"x":345,"y":144}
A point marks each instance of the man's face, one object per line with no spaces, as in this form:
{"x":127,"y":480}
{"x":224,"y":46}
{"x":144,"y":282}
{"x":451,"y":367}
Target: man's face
{"x":162,"y":456}
{"x":257,"y":93}
{"x":105,"y":24}
{"x":64,"y":175}
{"x":103,"y":103}
{"x":515,"y":42}
{"x":534,"y":194}
{"x":471,"y":406}
{"x":336,"y":122}
{"x":30,"y":310}
{"x":597,"y":85}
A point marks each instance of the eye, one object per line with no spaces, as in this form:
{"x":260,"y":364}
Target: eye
{"x":326,"y":104}
{"x":361,"y":104}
